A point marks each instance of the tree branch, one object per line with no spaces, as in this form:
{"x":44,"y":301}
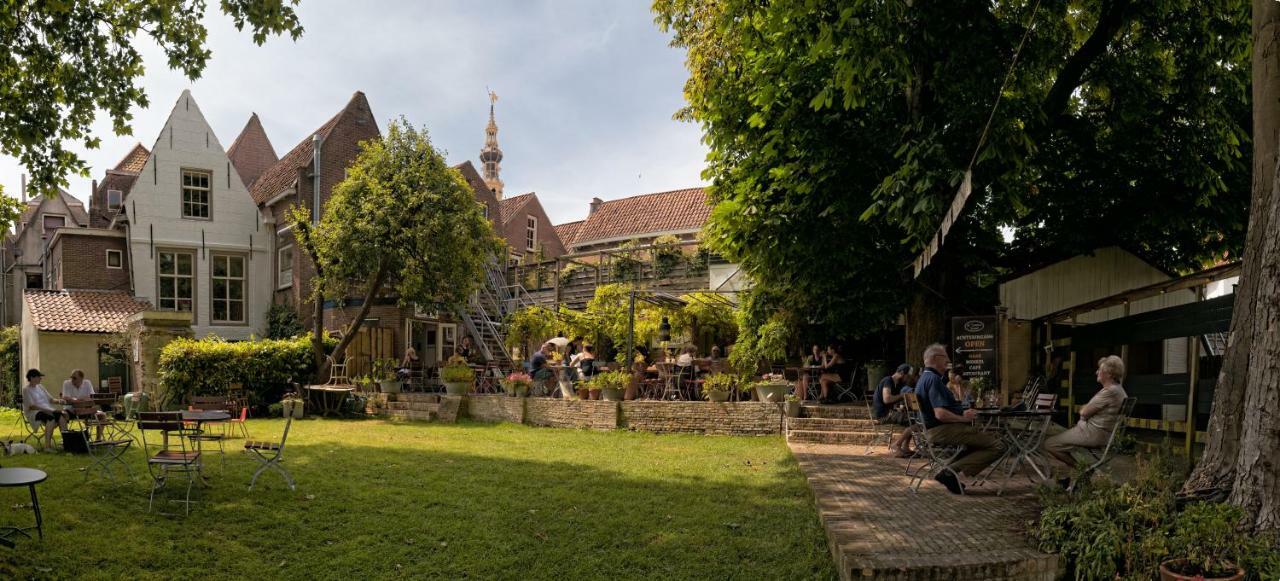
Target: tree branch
{"x":1113,"y":17}
{"x":370,"y":293}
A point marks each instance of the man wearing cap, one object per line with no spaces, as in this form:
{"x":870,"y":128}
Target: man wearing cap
{"x":40,"y":408}
{"x":884,"y":403}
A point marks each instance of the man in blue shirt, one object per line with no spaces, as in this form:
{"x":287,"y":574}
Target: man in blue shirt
{"x":888,"y":394}
{"x":947,"y":423}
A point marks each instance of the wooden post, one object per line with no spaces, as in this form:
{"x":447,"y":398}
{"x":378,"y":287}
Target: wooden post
{"x":1124,"y":349}
{"x":1071,"y":381}
{"x":1193,"y":377}
{"x":555,"y":274}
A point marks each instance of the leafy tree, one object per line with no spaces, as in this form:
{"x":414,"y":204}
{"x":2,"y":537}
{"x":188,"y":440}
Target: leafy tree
{"x":62,"y":62}
{"x":839,"y":131}
{"x":402,"y":225}
{"x":282,"y":322}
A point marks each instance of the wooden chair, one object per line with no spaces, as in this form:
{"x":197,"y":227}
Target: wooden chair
{"x":174,"y":453}
{"x":271,"y":455}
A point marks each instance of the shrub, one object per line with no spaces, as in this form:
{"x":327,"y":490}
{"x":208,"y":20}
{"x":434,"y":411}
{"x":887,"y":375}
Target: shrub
{"x":457,"y":371}
{"x":610,"y":380}
{"x":208,"y":366}
{"x":9,"y":359}
{"x":722,"y":382}
{"x":282,"y":322}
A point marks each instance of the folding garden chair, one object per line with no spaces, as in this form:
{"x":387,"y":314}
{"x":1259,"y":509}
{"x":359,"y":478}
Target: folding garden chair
{"x":175,"y":455}
{"x":878,"y":429}
{"x":205,"y":436}
{"x":25,"y":429}
{"x":238,"y":421}
{"x":109,"y":449}
{"x":271,"y":455}
{"x":1101,"y":457}
{"x":338,"y":371}
{"x":667,"y":378}
{"x":937,"y":457}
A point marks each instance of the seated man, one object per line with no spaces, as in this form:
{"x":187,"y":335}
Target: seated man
{"x":80,"y":390}
{"x":541,"y":374}
{"x":947,"y":423}
{"x":885,"y":407}
{"x":40,"y":408}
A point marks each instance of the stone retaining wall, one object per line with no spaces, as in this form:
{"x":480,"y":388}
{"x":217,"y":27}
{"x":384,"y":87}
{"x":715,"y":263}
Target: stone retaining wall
{"x":558,"y":413}
{"x":495,"y":408}
{"x":730,"y":418}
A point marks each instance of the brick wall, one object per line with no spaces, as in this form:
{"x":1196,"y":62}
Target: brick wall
{"x":81,"y":262}
{"x":736,"y":418}
{"x":557,"y":413}
{"x":451,"y":407}
{"x":514,"y":232}
{"x":496,"y":408}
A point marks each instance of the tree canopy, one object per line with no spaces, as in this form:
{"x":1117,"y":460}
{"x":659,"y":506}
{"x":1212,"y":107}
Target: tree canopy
{"x":62,"y":62}
{"x":839,"y":130}
{"x":402,"y":225}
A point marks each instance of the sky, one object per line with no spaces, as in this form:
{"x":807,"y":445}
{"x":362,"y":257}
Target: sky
{"x":586,"y":90}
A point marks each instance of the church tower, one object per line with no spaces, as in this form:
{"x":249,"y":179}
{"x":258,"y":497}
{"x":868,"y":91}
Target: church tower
{"x":491,"y":155}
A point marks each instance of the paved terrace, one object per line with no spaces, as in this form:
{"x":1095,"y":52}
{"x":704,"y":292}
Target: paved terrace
{"x":877,"y":529}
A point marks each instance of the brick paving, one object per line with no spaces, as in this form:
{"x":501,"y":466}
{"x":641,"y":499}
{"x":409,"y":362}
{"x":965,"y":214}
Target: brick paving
{"x":878,"y":529}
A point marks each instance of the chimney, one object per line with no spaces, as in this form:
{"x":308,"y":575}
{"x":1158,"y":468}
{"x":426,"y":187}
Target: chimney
{"x":595,"y":205}
{"x":93,"y":189}
{"x":24,"y":188}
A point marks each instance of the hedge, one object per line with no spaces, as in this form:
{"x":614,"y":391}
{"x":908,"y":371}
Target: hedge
{"x":208,"y":366}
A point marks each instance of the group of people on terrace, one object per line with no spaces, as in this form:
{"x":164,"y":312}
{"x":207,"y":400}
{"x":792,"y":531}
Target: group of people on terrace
{"x":41,"y":409}
{"x":948,"y":416}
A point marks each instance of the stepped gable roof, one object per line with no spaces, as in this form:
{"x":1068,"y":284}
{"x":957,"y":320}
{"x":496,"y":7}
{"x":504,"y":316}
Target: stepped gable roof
{"x":133,"y":161}
{"x":251,"y":153}
{"x":568,"y":231}
{"x":80,"y":311}
{"x":646,"y":214}
{"x":509,"y":207}
{"x":280,"y":176}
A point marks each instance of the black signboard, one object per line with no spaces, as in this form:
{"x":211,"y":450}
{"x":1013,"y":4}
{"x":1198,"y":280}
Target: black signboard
{"x":975,"y":345}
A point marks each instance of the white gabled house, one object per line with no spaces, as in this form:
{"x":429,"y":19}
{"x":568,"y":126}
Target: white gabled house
{"x":196,"y":240}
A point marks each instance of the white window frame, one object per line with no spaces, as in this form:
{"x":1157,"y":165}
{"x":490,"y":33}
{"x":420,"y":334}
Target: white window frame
{"x":208,"y":192}
{"x":119,"y":259}
{"x":119,"y":200}
{"x":244,"y":288}
{"x":44,"y":228}
{"x":284,"y":279}
{"x":484,"y":208}
{"x":160,"y":277}
{"x":515,"y":259}
{"x":531,"y":233}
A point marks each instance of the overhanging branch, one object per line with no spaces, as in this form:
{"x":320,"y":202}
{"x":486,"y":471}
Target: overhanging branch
{"x":1114,"y":15}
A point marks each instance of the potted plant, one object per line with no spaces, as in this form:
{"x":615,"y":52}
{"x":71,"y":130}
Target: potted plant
{"x":611,"y":384}
{"x":1205,"y":536}
{"x":876,"y":370}
{"x":384,"y":374}
{"x":718,"y":386}
{"x":517,"y":384}
{"x":457,"y":376}
{"x":292,"y":406}
{"x":772,"y":387}
{"x":791,"y":405}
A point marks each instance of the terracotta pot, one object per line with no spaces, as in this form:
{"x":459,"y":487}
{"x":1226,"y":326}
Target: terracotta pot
{"x":631,"y":392}
{"x":594,"y":393}
{"x":1167,"y":575}
{"x":718,"y":396}
{"x":584,"y":393}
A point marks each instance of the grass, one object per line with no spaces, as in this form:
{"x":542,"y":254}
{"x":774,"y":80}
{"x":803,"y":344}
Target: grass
{"x":378,"y":499}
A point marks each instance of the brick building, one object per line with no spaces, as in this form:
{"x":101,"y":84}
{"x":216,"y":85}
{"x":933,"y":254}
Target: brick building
{"x":527,"y":229}
{"x":643,"y":218}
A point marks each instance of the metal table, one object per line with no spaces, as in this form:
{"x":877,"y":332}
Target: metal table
{"x":29,"y":477}
{"x":1021,"y":440}
{"x":330,"y":397}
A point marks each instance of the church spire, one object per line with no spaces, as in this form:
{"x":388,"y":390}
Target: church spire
{"x":491,"y":154}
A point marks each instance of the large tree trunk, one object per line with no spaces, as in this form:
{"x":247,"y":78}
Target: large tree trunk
{"x":349,"y":334}
{"x":1243,"y":453}
{"x":927,"y":313}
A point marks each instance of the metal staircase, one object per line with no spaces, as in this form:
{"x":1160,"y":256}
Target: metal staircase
{"x":485,"y":314}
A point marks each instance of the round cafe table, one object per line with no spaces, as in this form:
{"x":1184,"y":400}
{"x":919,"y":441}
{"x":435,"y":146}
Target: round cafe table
{"x":29,"y":477}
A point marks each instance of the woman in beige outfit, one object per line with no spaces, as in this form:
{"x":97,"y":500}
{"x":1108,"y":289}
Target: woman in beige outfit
{"x":1097,"y":418}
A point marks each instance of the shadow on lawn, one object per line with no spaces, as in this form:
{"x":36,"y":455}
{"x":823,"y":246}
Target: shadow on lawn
{"x":407,"y":506}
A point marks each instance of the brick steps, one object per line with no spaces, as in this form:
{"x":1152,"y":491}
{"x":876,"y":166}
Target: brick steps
{"x":826,"y":437}
{"x":416,"y":416}
{"x":830,"y":424}
{"x":414,"y":397}
{"x":414,"y":406}
{"x":843,"y":411}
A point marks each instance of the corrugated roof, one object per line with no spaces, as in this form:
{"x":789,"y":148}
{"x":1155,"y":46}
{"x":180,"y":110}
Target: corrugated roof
{"x":568,"y":231}
{"x":80,"y":311}
{"x":251,"y":153}
{"x":509,"y":207}
{"x":639,"y":216}
{"x":280,"y":176}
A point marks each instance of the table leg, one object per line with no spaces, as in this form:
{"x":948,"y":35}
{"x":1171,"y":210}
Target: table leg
{"x":35,"y":505}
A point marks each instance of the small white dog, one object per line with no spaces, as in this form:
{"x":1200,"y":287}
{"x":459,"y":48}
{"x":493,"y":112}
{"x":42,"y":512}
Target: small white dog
{"x":12,"y":448}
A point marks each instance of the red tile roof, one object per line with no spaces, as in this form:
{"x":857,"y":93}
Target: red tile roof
{"x":280,"y":176}
{"x":80,"y":311}
{"x":568,"y":231}
{"x":251,"y":152}
{"x":134,"y":160}
{"x":509,"y":207}
{"x":645,"y":215}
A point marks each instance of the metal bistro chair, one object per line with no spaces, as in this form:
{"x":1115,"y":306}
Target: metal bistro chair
{"x":1101,"y":458}
{"x":667,"y":378}
{"x":270,"y":455}
{"x":937,"y":457}
{"x":109,"y":448}
{"x":25,"y":428}
{"x":1023,"y":445}
{"x":338,"y":371}
{"x":878,"y":428}
{"x":175,"y":455}
{"x":203,"y":436}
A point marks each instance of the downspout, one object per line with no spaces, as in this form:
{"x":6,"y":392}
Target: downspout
{"x":316,"y":140}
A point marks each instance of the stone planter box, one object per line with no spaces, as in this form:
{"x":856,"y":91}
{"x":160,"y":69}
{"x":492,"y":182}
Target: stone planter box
{"x":771,"y":392}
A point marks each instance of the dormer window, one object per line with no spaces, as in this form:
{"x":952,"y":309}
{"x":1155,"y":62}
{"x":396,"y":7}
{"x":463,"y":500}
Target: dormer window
{"x":51,"y":223}
{"x":114,"y":198}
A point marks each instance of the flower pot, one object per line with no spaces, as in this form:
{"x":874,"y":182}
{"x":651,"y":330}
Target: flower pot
{"x":612,"y":394}
{"x":792,"y":409}
{"x":293,"y":408}
{"x":1168,"y":575}
{"x":516,"y":390}
{"x":584,"y":393}
{"x":457,"y":387}
{"x":717,"y":396}
{"x":390,"y":386}
{"x":772,"y":392}
{"x":593,"y":394}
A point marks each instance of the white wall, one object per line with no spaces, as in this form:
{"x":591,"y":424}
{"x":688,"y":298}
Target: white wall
{"x":154,"y":207}
{"x":1081,"y":279}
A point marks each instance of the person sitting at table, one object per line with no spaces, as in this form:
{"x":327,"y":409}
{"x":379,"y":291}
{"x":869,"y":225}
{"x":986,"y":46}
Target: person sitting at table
{"x":466,"y":350}
{"x":947,"y":423}
{"x":585,"y":362}
{"x":538,"y":366}
{"x":885,"y":406}
{"x":834,"y":370}
{"x":1097,"y":418}
{"x":77,"y":389}
{"x":407,"y":363}
{"x":40,"y":408}
{"x":958,"y":385}
{"x":686,"y":371}
{"x":813,"y":359}
{"x":715,"y":361}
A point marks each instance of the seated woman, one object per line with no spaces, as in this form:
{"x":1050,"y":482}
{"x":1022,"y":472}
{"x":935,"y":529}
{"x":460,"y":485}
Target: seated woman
{"x":40,"y":408}
{"x":834,"y":370}
{"x":586,"y":362}
{"x":687,"y":371}
{"x":407,"y":364}
{"x":807,"y":363}
{"x":1097,"y":418}
{"x":958,"y":386}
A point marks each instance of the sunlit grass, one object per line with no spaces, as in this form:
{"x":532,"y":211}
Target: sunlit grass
{"x":378,"y":499}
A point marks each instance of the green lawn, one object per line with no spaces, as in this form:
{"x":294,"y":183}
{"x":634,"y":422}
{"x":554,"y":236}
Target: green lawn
{"x":386,"y":500}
